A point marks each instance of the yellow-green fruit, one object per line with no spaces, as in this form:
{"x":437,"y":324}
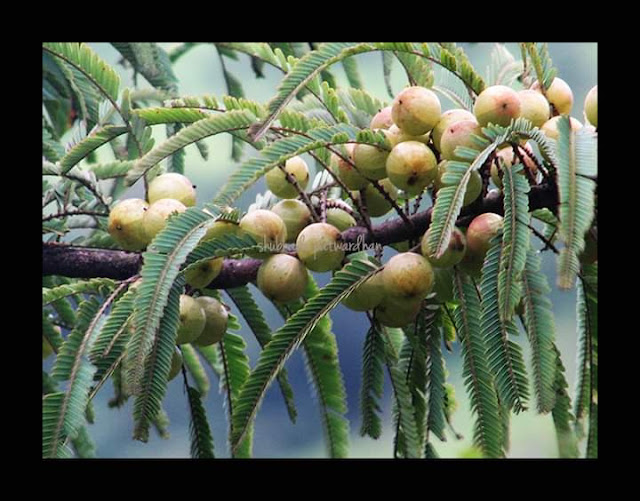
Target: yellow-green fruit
{"x":282,"y":278}
{"x":397,"y":135}
{"x":408,"y":276}
{"x":371,"y":160}
{"x":591,"y":106}
{"x":295,"y":215}
{"x":277,"y":179}
{"x":534,"y":107}
{"x":452,"y":255}
{"x":394,"y":312}
{"x":346,"y":172}
{"x":550,"y":127}
{"x":47,"y":349}
{"x":367,"y":296}
{"x":449,"y":118}
{"x":377,"y":205}
{"x":126,"y":224}
{"x":192,"y":320}
{"x":443,"y":284}
{"x":156,"y":216}
{"x":266,"y":227}
{"x":481,"y":230}
{"x":202,"y":275}
{"x":176,"y":364}
{"x":498,"y":105}
{"x":459,"y":134}
{"x":319,"y":248}
{"x":559,"y":94}
{"x":340,"y":219}
{"x":216,"y":320}
{"x":411,"y":166}
{"x":474,"y":185}
{"x":382,"y":119}
{"x":416,"y":110}
{"x":172,"y":185}
{"x":220,"y":228}
{"x":508,"y":158}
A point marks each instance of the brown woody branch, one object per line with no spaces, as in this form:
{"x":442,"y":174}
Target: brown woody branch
{"x":85,"y":262}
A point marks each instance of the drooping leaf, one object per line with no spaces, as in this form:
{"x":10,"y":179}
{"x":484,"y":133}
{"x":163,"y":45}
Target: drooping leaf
{"x":100,"y":286}
{"x":195,"y":369}
{"x":372,"y":386}
{"x":199,"y":431}
{"x":563,"y":419}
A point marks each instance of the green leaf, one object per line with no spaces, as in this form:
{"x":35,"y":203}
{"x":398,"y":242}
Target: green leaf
{"x":435,"y":378}
{"x":151,"y":61}
{"x":540,"y":329}
{"x":577,"y":156}
{"x":350,"y":67}
{"x":479,"y":383}
{"x":503,"y":68}
{"x":562,"y":417}
{"x":195,"y":368}
{"x":223,"y":246}
{"x":111,"y":170}
{"x":515,"y":239}
{"x":289,"y":337}
{"x":504,"y":355}
{"x":155,"y":116}
{"x":372,"y":388}
{"x":199,"y":431}
{"x":92,"y":142}
{"x":227,"y":122}
{"x":52,"y":150}
{"x":100,"y":286}
{"x":82,"y":443}
{"x":542,"y":64}
{"x":418,"y":69}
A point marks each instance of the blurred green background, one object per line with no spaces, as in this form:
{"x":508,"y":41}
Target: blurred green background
{"x":199,"y":72}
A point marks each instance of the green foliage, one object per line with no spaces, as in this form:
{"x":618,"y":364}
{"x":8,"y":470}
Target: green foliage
{"x":541,"y":62}
{"x":195,"y":368}
{"x":199,"y":431}
{"x":372,"y":386}
{"x":100,"y":286}
{"x":562,"y":416}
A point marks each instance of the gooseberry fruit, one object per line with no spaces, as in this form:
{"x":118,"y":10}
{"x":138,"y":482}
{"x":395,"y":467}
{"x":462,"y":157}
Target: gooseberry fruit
{"x":346,"y":172}
{"x":340,"y":218}
{"x":382,"y":119}
{"x":459,"y":134}
{"x":397,"y":135}
{"x":408,"y":275}
{"x":219,"y":228}
{"x":172,"y":185}
{"x":126,"y":224}
{"x":371,"y":160}
{"x":216,"y":320}
{"x":203,"y":274}
{"x":277,"y":179}
{"x":156,"y":216}
{"x":558,"y":94}
{"x":266,"y":227}
{"x":452,"y":255}
{"x":394,"y":312}
{"x":534,"y":107}
{"x":367,"y":295}
{"x":176,"y":364}
{"x":295,"y":216}
{"x":481,"y":230}
{"x":318,"y":247}
{"x":282,"y":278}
{"x":192,"y":320}
{"x":498,"y":105}
{"x":416,"y":110}
{"x":591,"y":106}
{"x":377,"y":205}
{"x":411,"y":166}
{"x":474,"y":185}
{"x":550,"y":127}
{"x":449,"y":118}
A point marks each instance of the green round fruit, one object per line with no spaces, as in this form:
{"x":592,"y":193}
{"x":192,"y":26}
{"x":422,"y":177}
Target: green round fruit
{"x":481,"y":230}
{"x":416,"y":110}
{"x":340,"y":219}
{"x":216,"y":320}
{"x":203,"y":274}
{"x":449,"y":118}
{"x":550,"y":127}
{"x":176,"y":364}
{"x":172,"y":185}
{"x":474,"y":185}
{"x":371,"y":160}
{"x":408,"y":276}
{"x":367,"y":296}
{"x":382,"y":119}
{"x":559,"y":94}
{"x":282,"y":278}
{"x":498,"y":105}
{"x":277,"y":180}
{"x":219,"y":228}
{"x":192,"y":320}
{"x":394,"y":312}
{"x":377,"y":205}
{"x":397,"y":135}
{"x":157,"y":215}
{"x":411,"y":166}
{"x":452,"y":255}
{"x":346,"y":172}
{"x":267,"y":228}
{"x":318,"y":247}
{"x":459,"y":134}
{"x":534,"y":107}
{"x":295,"y":215}
{"x":591,"y":106}
{"x":126,"y":224}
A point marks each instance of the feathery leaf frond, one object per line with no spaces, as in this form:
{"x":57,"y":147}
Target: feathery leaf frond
{"x":100,"y":286}
{"x":199,"y":431}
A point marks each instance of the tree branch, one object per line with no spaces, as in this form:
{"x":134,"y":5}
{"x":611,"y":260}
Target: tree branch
{"x":85,"y":262}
